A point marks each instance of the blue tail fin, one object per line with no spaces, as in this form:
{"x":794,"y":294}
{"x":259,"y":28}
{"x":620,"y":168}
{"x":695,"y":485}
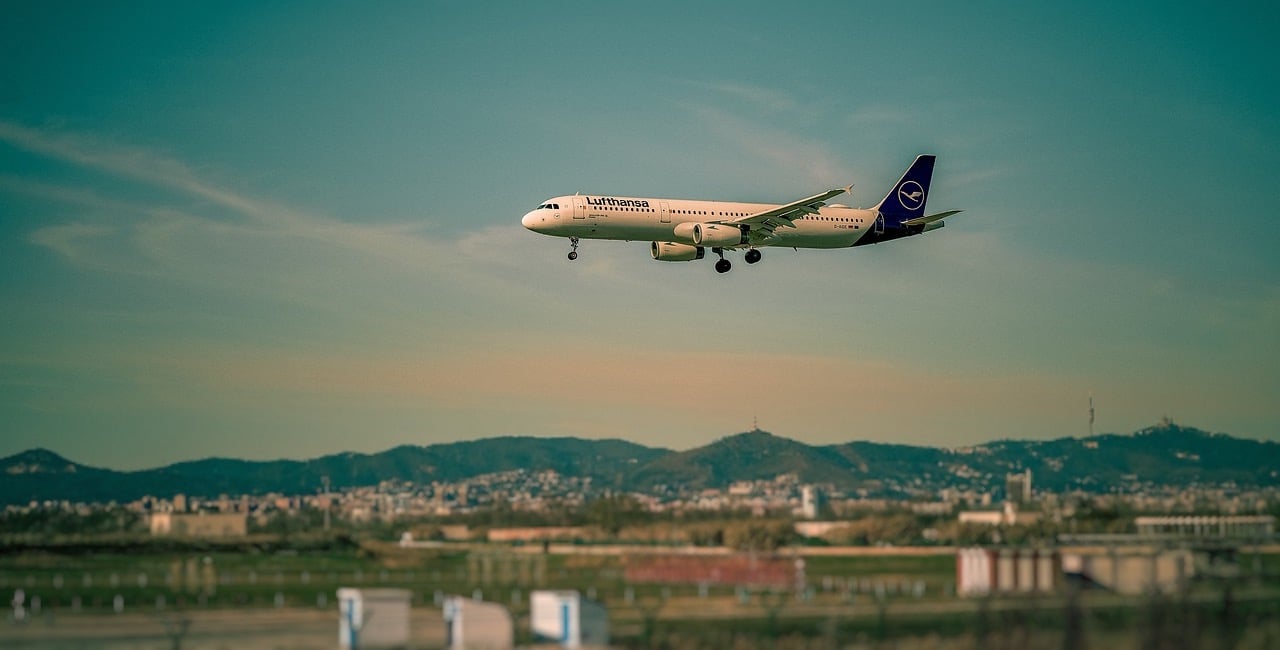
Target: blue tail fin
{"x":906,"y":199}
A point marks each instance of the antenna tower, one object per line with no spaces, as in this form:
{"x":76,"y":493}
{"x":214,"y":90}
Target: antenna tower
{"x":1091,"y":414}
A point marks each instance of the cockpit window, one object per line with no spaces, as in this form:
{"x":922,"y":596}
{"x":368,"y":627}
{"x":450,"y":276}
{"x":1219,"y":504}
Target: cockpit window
{"x":549,"y":206}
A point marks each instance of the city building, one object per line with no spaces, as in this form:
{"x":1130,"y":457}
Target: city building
{"x":1017,"y":487}
{"x":1008,"y":516}
{"x":199,"y":524}
{"x":811,"y":501}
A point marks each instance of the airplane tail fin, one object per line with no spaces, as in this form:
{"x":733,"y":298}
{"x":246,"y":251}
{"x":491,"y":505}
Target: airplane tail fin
{"x":906,"y":200}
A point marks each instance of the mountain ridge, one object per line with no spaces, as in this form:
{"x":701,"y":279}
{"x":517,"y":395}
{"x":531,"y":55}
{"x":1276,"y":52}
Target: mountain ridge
{"x":1165,"y":454}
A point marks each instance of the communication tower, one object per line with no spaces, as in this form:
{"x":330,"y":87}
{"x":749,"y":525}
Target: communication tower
{"x":1091,"y":414}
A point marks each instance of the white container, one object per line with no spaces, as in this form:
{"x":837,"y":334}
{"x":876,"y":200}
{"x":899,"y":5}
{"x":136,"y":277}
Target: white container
{"x":373,"y":618}
{"x":477,"y":625}
{"x":569,"y":619}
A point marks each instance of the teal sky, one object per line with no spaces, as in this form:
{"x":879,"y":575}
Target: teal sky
{"x":289,"y":229}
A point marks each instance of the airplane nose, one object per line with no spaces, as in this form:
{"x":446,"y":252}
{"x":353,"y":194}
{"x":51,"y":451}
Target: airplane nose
{"x":529,"y":220}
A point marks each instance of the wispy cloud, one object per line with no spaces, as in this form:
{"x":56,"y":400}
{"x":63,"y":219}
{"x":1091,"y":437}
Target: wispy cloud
{"x":392,"y":242}
{"x":69,"y":240}
{"x":755,"y":149}
{"x":758,"y":98}
{"x":183,"y":242}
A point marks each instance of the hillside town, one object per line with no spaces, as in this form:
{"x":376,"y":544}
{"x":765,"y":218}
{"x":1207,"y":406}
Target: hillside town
{"x":544,"y":493}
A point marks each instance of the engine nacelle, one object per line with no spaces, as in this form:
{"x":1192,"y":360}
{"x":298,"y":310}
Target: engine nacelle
{"x":683,"y":232}
{"x":672,"y":252}
{"x":715,"y":234}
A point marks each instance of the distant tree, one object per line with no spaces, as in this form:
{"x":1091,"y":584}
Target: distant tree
{"x":758,"y":535}
{"x":705,"y":533}
{"x":47,"y":522}
{"x":613,"y":513}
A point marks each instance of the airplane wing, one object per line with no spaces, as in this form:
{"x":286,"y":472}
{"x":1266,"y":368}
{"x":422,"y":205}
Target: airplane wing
{"x":764,"y":223}
{"x":920,"y":221}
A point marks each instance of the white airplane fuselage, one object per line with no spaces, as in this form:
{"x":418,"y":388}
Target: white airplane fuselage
{"x":640,"y":219}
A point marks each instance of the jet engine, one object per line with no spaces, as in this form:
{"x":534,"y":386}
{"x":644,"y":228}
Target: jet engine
{"x":683,"y":232}
{"x":671,"y":252}
{"x":715,"y":234}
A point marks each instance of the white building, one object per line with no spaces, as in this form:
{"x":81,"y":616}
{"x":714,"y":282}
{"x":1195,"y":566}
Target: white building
{"x":1008,"y":516}
{"x":810,"y":502}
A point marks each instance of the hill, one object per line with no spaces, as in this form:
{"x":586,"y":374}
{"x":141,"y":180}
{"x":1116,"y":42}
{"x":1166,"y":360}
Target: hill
{"x":1163,"y":455}
{"x":747,"y":456}
{"x":41,"y":475}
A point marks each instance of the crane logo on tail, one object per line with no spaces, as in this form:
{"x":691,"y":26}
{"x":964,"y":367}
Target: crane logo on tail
{"x":911,"y":195}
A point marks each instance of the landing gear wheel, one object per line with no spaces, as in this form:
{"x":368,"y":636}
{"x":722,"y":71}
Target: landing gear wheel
{"x":753,"y":256}
{"x":723,"y":266}
{"x":573,"y":254}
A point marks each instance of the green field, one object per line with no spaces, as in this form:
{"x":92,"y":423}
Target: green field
{"x":146,"y":577}
{"x":869,"y":597}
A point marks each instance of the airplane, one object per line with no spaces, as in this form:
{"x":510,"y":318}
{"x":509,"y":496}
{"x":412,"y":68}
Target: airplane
{"x":681,"y":230}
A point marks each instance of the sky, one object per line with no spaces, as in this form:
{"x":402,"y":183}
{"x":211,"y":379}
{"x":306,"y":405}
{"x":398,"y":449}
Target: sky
{"x":290,"y":229}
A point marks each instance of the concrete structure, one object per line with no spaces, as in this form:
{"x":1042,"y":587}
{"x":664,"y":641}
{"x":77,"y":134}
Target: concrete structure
{"x":566,"y":618}
{"x":539,"y":534}
{"x":477,"y":625}
{"x":200,"y":524}
{"x":1017,"y":487}
{"x":1229,"y":527}
{"x":982,"y":572}
{"x":1008,"y":516}
{"x":811,"y":501}
{"x":819,"y":528}
{"x":983,"y":517}
{"x":373,"y":618}
{"x":1132,"y":571}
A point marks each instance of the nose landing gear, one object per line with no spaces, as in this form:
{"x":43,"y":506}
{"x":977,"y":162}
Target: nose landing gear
{"x":573,"y":254}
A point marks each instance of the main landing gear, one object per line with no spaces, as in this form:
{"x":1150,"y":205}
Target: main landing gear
{"x":723,"y":265}
{"x":573,"y":254}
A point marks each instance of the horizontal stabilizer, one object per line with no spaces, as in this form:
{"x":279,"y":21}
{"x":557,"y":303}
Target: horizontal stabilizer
{"x":920,"y":221}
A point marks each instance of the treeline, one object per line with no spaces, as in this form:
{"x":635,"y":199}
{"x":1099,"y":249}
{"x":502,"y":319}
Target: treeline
{"x":48,"y":523}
